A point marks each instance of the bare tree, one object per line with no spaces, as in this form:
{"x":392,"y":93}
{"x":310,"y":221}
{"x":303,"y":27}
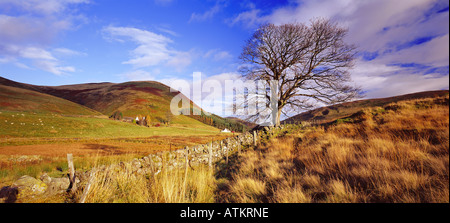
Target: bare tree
{"x":311,"y":64}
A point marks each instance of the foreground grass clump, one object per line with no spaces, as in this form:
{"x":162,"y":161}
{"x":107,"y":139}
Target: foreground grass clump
{"x":396,"y":154}
{"x":168,"y":186}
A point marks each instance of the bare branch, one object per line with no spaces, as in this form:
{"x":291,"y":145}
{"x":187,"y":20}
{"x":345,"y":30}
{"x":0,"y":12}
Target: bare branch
{"x":310,"y":62}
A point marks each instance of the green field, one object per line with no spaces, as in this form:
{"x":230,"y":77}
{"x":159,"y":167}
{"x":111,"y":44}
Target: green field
{"x":29,"y":124}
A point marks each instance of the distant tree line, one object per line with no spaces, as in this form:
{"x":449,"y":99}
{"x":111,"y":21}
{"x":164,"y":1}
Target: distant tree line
{"x":145,"y":120}
{"x":212,"y":120}
{"x":117,"y":115}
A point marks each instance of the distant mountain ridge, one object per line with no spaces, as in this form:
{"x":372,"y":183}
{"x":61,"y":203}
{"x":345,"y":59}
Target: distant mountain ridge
{"x":333,"y":112}
{"x":130,"y":98}
{"x":20,"y":99}
{"x":153,"y":99}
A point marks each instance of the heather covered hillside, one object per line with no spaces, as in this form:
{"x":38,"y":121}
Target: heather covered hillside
{"x":23,"y":100}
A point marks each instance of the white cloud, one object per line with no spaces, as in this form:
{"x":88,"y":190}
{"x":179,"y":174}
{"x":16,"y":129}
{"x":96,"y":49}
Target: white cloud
{"x":222,"y":55}
{"x":210,"y":91}
{"x":35,"y":53}
{"x":408,"y":38}
{"x":166,"y":30}
{"x":53,"y":67}
{"x":39,"y":57}
{"x":249,"y":18}
{"x":153,"y":49}
{"x":433,"y":53}
{"x":180,"y":60}
{"x":23,"y":30}
{"x":217,"y":55}
{"x":41,"y":7}
{"x":29,"y":27}
{"x":405,"y":83}
{"x":208,"y":14}
{"x":67,"y":52}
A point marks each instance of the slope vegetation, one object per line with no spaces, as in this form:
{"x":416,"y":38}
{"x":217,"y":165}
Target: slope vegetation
{"x":147,"y":98}
{"x":23,"y":100}
{"x":79,"y":110}
{"x":399,"y":153}
{"x":340,"y":111}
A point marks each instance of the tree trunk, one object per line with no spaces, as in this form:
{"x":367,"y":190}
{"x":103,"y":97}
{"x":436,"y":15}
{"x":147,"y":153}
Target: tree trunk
{"x":277,"y":122}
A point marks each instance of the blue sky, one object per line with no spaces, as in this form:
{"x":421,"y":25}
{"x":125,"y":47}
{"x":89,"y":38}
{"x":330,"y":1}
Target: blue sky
{"x":403,"y":45}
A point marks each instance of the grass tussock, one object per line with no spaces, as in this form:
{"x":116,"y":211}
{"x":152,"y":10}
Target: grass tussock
{"x":399,"y":153}
{"x":121,"y":185}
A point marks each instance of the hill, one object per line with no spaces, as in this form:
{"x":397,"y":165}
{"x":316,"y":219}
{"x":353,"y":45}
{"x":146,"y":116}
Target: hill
{"x":398,"y":153}
{"x":23,"y":100}
{"x":131,"y":99}
{"x":339,"y":111}
{"x":249,"y":125}
{"x":27,"y":113}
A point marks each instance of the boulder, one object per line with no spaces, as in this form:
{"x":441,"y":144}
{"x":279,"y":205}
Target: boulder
{"x":58,"y":185}
{"x":55,"y":185}
{"x":29,"y":186}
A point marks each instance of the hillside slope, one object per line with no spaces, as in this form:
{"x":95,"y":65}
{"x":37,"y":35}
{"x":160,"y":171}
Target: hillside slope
{"x":18,"y":99}
{"x":398,"y":153}
{"x":131,"y":98}
{"x":148,"y":98}
{"x":27,"y":113}
{"x":331,"y":113}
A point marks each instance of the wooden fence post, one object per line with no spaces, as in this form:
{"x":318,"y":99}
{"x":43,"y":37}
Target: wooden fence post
{"x":73,"y":183}
{"x":254,"y":138}
{"x":88,"y":185}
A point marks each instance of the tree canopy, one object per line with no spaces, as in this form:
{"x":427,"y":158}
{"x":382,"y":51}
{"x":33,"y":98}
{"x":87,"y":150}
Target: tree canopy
{"x":310,"y":63}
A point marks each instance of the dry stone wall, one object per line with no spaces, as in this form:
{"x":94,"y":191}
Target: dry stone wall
{"x":199,"y":154}
{"x":152,"y":164}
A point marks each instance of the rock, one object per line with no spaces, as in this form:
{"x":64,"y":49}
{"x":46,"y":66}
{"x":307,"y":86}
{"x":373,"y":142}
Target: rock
{"x":58,"y":185}
{"x":29,"y":186}
{"x":45,"y":178}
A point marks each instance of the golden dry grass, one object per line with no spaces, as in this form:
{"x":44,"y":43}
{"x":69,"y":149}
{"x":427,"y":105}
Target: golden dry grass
{"x":169,"y":186}
{"x":399,"y":153}
{"x":50,"y":157}
{"x":395,"y":154}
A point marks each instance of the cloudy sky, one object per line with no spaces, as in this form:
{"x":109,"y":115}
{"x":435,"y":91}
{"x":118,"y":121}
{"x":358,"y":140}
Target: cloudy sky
{"x":403,"y":44}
